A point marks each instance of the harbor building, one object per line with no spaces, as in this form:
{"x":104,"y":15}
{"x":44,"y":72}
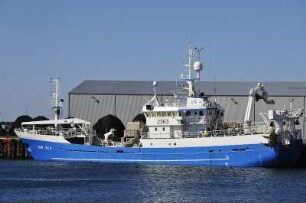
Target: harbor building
{"x":94,"y":99}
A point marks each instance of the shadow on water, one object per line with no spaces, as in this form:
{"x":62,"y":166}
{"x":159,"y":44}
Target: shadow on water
{"x":95,"y":182}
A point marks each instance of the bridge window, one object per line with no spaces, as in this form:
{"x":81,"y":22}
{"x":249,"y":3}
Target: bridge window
{"x":188,"y":113}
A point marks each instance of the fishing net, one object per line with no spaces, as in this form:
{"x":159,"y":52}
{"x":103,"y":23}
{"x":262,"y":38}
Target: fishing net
{"x":140,"y":118}
{"x":108,"y":122}
{"x":40,"y":118}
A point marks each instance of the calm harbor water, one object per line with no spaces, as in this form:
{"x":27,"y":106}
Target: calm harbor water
{"x":34,"y":181}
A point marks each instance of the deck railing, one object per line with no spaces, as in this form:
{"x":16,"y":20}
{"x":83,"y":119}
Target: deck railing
{"x":65,"y":132}
{"x":232,"y":131}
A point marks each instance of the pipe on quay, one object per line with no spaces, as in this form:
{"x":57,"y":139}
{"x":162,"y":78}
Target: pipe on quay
{"x":12,"y":148}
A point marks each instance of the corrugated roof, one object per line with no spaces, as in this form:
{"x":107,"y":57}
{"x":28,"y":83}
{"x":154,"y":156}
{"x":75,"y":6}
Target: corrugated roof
{"x":166,"y":87}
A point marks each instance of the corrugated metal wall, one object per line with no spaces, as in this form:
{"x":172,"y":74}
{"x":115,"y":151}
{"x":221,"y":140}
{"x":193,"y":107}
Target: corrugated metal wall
{"x":235,"y":107}
{"x":91,"y":107}
{"x":126,"y":107}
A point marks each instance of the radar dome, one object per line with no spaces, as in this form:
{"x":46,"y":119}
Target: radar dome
{"x":197,"y":66}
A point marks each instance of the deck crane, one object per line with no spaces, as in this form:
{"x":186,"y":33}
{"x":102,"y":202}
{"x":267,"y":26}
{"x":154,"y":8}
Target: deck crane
{"x":256,"y":93}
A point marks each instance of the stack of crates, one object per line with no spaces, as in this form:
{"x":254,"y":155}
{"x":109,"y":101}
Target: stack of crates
{"x":132,"y":133}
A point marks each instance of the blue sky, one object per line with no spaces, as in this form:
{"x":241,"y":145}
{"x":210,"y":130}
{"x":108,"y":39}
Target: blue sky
{"x":243,"y":40}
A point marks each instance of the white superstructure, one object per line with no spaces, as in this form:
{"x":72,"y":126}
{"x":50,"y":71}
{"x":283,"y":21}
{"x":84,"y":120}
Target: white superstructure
{"x":194,"y":120}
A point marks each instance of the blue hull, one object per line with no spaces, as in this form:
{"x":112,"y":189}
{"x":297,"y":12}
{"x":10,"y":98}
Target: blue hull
{"x":254,"y":155}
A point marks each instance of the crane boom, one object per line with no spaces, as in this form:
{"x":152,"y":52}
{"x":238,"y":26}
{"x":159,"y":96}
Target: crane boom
{"x":256,"y":93}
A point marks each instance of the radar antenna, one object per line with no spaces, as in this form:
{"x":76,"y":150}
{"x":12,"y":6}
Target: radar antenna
{"x":196,"y":65}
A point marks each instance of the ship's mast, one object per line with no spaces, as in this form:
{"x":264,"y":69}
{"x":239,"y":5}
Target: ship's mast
{"x":56,"y":102}
{"x":190,"y":58}
{"x":189,"y":65}
{"x":192,"y":64}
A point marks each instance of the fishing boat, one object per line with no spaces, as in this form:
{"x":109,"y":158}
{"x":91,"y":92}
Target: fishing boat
{"x":188,"y":130}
